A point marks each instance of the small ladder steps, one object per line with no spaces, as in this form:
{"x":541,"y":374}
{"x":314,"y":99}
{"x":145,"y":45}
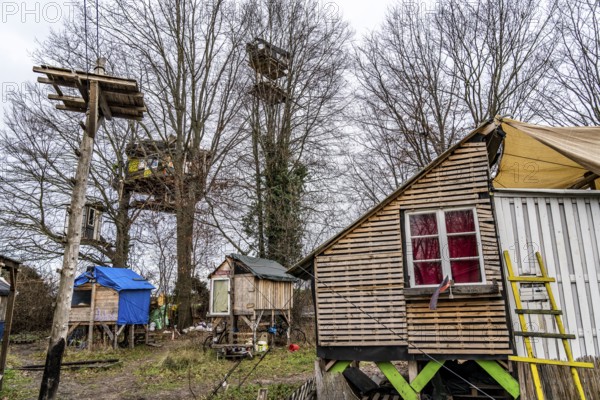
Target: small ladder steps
{"x":544,"y":280}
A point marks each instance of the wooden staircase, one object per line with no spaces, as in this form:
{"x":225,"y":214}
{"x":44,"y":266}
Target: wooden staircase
{"x":543,"y":280}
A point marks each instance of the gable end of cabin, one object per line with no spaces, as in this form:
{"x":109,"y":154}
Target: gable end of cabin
{"x":373,"y":284}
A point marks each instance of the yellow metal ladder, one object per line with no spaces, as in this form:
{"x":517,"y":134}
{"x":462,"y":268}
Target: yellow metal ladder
{"x":527,"y":335}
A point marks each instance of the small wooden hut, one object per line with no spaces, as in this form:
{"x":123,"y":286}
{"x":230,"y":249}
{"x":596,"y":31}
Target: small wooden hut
{"x":108,"y":300}
{"x":507,"y":186}
{"x":248,"y":293}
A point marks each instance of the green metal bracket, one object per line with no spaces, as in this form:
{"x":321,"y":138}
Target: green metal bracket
{"x":500,"y":375}
{"x":426,"y":375}
{"x":399,"y":383}
{"x":339,"y":366}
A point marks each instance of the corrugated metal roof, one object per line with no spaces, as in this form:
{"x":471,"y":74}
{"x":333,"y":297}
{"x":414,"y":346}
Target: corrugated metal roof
{"x":263,"y":268}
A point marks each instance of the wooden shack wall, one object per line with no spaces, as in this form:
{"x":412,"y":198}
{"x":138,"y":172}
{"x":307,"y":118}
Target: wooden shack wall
{"x":106,"y":306}
{"x":359,"y":285}
{"x":274,"y":295}
{"x":244,"y":301}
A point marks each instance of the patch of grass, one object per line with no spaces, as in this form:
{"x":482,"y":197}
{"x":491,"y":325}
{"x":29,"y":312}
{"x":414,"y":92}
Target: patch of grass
{"x":249,"y":392}
{"x":17,"y":386}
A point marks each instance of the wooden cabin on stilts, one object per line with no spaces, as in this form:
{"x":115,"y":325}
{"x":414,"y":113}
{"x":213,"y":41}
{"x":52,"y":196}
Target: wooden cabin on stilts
{"x":250,"y":302}
{"x":480,"y":272}
{"x":108,"y":301}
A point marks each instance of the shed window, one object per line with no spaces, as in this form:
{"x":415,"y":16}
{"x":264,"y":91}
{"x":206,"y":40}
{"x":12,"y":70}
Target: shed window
{"x":444,"y":242}
{"x":81,"y":298}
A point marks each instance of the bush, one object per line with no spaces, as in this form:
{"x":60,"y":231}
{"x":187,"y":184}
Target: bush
{"x":33,"y":304}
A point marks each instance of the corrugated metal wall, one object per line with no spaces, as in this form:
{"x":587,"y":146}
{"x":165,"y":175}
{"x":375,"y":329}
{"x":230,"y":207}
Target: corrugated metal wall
{"x":565,"y":229}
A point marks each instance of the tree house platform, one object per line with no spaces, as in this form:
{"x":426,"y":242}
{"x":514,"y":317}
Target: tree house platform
{"x":118,"y":97}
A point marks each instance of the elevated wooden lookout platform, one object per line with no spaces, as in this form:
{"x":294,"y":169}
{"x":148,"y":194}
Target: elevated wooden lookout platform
{"x":118,"y":97}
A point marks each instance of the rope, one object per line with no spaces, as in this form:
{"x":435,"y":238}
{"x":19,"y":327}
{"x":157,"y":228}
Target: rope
{"x":87,"y":60}
{"x":97,"y":32}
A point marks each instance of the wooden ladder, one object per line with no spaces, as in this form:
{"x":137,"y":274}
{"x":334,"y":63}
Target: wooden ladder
{"x":527,"y":335}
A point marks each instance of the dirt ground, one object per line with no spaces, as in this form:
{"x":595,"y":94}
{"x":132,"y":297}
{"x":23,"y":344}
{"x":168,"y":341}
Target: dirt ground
{"x":178,"y":369}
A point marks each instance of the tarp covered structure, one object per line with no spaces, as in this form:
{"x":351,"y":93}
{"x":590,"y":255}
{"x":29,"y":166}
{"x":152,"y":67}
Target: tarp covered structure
{"x":544,"y":157}
{"x":134,"y":291}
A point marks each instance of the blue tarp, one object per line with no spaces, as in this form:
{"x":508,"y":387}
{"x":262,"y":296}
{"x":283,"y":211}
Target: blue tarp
{"x":134,"y":292}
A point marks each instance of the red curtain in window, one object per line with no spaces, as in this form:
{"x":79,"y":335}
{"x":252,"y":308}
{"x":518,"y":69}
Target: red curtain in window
{"x":462,"y":246}
{"x":426,"y":250}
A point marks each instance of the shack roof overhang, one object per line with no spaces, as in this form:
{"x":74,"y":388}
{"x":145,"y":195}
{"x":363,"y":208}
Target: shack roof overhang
{"x":575,"y":147}
{"x":262,"y":268}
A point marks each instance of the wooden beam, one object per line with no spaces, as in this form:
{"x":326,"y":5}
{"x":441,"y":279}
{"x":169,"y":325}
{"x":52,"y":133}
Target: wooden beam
{"x":337,"y":366}
{"x":107,"y":331}
{"x":63,"y":107}
{"x":104,"y":106}
{"x":70,"y":99}
{"x":426,"y":374}
{"x":576,"y":364}
{"x":500,"y":375}
{"x":52,"y":72}
{"x":399,"y":383}
{"x":92,"y":306}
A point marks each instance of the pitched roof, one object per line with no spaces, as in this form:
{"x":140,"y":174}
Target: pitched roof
{"x":263,"y":268}
{"x":302,"y":269}
{"x":115,"y":278}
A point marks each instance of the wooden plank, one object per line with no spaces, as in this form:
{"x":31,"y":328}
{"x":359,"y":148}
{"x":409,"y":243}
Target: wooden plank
{"x":426,"y":374}
{"x":528,"y":360}
{"x":399,"y":383}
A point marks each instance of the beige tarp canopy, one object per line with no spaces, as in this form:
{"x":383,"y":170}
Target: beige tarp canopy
{"x":546,"y":157}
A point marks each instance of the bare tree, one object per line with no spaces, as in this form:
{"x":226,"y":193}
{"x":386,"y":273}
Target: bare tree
{"x":500,"y":52}
{"x":573,"y":96}
{"x":188,"y":54}
{"x":408,"y":108}
{"x":294,"y":119}
{"x":426,"y":79}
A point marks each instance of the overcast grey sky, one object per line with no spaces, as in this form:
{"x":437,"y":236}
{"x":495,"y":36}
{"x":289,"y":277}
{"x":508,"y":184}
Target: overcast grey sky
{"x":22,"y":22}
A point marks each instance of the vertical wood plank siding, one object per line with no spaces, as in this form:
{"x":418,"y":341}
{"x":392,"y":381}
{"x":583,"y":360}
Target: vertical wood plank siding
{"x":360,"y":277}
{"x":565,"y":229}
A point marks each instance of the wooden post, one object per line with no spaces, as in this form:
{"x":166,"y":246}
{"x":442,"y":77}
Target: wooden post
{"x":413,"y":370}
{"x":8,"y":322}
{"x":60,"y":321}
{"x":272,"y":324}
{"x":254,"y":325}
{"x":131,"y":335}
{"x":115,"y":336}
{"x":92,"y":314}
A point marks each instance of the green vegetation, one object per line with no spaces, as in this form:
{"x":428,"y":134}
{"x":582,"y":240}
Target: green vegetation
{"x":163,"y":372}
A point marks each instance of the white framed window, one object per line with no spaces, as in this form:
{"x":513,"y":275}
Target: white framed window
{"x":443,"y":242}
{"x":219,"y":296}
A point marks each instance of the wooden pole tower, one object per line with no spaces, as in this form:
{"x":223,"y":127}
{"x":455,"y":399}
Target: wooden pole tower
{"x":100,"y":97}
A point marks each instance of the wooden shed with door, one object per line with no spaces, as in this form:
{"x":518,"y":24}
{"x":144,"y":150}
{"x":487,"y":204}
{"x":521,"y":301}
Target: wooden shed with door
{"x":420,"y":277}
{"x":108,"y":300}
{"x":247,"y":293}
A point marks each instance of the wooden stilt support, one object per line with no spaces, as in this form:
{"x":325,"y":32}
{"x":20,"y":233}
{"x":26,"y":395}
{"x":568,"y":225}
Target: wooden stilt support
{"x":500,"y":375}
{"x":399,"y":383}
{"x":131,"y":336}
{"x":92,"y":313}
